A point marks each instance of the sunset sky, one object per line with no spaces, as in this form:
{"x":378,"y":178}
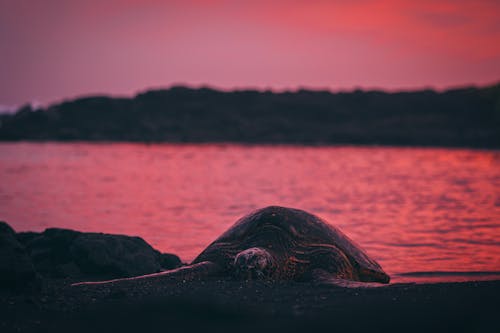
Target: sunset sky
{"x":56,"y":49}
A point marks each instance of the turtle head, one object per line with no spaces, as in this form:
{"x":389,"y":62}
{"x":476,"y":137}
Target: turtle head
{"x":254,"y":264}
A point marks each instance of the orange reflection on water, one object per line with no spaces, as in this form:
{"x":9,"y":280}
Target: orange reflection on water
{"x":414,"y":210}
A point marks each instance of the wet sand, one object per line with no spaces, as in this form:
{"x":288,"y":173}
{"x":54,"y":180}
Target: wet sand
{"x":227,"y":305}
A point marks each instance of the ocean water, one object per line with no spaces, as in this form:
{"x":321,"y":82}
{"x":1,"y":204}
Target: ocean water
{"x":424,"y":214}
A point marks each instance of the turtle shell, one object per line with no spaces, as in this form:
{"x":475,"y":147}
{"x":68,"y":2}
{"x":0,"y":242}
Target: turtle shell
{"x":305,"y":228}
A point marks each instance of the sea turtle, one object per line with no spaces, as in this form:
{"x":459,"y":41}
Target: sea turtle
{"x":279,"y":243}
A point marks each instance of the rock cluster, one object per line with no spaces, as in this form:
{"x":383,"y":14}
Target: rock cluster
{"x":16,"y":267}
{"x":63,"y":253}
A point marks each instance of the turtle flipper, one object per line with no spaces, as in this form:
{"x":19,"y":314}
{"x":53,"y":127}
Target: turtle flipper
{"x":321,"y":277}
{"x":190,"y":272}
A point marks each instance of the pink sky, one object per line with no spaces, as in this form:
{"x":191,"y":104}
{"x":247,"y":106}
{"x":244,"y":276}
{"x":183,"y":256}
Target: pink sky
{"x":56,"y":49}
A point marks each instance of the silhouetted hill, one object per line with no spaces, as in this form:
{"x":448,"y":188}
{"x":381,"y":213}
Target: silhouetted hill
{"x":458,"y":117}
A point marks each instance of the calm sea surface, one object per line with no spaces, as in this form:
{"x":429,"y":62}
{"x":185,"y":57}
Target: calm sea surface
{"x":412,"y":209}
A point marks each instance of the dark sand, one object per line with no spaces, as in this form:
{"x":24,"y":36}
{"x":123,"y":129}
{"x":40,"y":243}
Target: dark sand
{"x":223,"y":305}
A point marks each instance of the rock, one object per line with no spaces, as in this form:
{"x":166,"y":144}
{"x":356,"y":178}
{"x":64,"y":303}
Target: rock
{"x":50,"y":251}
{"x":169,"y":261}
{"x":16,"y":267}
{"x":114,"y":255}
{"x":24,"y":237}
{"x":61,"y":253}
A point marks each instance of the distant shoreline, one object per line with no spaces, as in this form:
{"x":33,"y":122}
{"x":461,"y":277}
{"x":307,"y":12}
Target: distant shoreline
{"x":251,"y":144}
{"x":466,"y":117}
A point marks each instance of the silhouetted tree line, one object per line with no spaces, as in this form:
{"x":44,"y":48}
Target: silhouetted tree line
{"x":458,"y":117}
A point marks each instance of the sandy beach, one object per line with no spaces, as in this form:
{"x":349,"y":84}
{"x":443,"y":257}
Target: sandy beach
{"x":218,"y":304}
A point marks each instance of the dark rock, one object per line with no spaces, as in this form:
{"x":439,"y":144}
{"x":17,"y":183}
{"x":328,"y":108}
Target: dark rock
{"x":114,"y":255}
{"x":50,"y":251}
{"x":169,"y":261}
{"x":16,"y":267}
{"x":61,"y":253}
{"x":24,"y":237}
